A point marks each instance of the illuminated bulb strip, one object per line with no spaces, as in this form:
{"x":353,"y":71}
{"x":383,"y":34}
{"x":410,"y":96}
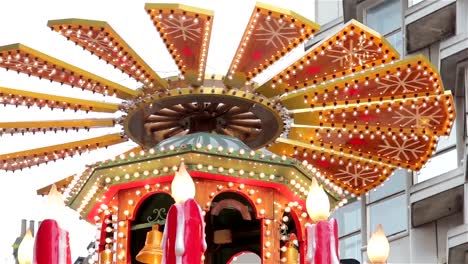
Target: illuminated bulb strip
{"x":99,"y":38}
{"x":271,"y":27}
{"x":397,"y":114}
{"x":10,"y":96}
{"x":20,"y":58}
{"x":405,"y":78}
{"x":186,"y":32}
{"x":56,"y":125}
{"x":28,"y":158}
{"x":328,"y":59}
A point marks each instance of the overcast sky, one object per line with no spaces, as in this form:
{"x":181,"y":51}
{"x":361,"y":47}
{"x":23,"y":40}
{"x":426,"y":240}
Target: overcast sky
{"x":24,"y":21}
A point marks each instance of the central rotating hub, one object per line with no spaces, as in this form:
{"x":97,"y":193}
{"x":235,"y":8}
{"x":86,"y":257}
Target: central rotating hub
{"x":252,"y":118}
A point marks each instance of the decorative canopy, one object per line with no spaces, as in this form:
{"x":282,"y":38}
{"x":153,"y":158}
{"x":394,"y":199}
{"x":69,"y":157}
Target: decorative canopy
{"x":348,"y":109}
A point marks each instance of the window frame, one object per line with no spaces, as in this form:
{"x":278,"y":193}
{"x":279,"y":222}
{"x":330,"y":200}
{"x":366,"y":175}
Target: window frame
{"x":391,"y":236}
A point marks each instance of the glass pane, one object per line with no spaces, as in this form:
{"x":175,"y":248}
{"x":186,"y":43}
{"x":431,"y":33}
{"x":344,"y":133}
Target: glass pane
{"x":385,"y":17}
{"x":451,"y":140}
{"x":348,"y":218}
{"x":328,"y":10}
{"x":396,"y":183}
{"x":438,"y":165}
{"x":391,"y":213}
{"x":413,"y":2}
{"x":396,"y":39}
{"x":350,"y":247}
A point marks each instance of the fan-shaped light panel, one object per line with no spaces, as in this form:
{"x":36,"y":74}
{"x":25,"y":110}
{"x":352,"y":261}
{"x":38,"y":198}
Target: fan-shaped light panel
{"x":26,"y":98}
{"x":29,"y":158}
{"x":99,"y":38}
{"x":354,"y":174}
{"x":55,"y":125}
{"x":271,"y":33}
{"x":186,"y":32}
{"x":348,"y":109}
{"x":354,"y":48}
{"x":18,"y":57}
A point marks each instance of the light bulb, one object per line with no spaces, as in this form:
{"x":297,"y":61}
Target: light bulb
{"x":318,"y":205}
{"x":378,"y":248}
{"x":182,"y":185}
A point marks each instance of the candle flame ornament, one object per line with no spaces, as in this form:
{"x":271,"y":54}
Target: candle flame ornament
{"x":182,"y":186}
{"x":378,"y":248}
{"x":25,"y":249}
{"x":318,"y":205}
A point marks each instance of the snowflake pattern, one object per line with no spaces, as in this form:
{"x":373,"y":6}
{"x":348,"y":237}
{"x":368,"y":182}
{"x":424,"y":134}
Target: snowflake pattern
{"x":403,"y":83}
{"x":276,"y":33}
{"x":418,"y":117}
{"x":407,"y":149}
{"x":182,"y":27}
{"x":352,"y":175}
{"x":354,"y":54}
{"x":98,"y":41}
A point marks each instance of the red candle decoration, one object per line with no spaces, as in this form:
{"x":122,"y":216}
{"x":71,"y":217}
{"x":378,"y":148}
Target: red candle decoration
{"x":52,"y":244}
{"x":183,"y":240}
{"x":322,"y":243}
{"x":321,"y":237}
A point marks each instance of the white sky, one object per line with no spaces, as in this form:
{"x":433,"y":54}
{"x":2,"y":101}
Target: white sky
{"x":24,"y":21}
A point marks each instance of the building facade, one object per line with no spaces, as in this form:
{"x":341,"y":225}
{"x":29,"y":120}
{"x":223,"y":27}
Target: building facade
{"x":424,"y":214}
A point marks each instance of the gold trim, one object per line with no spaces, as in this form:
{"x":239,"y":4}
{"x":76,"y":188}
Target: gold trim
{"x":85,"y":105}
{"x":56,"y":24}
{"x":81,"y":123}
{"x":121,"y":91}
{"x":106,"y":140}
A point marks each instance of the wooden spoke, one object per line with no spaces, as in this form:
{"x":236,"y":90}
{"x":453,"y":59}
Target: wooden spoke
{"x":157,"y":118}
{"x":247,"y":123}
{"x":186,"y":32}
{"x":246,"y":115}
{"x":55,"y":125}
{"x":161,"y":125}
{"x":28,"y":158}
{"x":19,"y":58}
{"x":270,"y":34}
{"x":354,"y":48}
{"x":99,"y":38}
{"x":26,"y":98}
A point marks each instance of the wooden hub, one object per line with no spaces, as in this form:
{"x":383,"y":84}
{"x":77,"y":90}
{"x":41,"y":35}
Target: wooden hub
{"x":241,"y":114}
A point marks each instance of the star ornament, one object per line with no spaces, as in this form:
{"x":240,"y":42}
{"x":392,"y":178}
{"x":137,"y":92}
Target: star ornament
{"x":349,"y":109}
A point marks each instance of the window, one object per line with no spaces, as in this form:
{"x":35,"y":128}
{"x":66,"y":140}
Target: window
{"x":328,"y":10}
{"x":384,"y":17}
{"x":349,"y":230}
{"x":391,"y":213}
{"x":396,"y":39}
{"x":395,"y":184}
{"x":450,"y":141}
{"x":348,"y":218}
{"x":445,"y":160}
{"x":413,"y":2}
{"x":350,"y":247}
{"x":438,"y":165}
